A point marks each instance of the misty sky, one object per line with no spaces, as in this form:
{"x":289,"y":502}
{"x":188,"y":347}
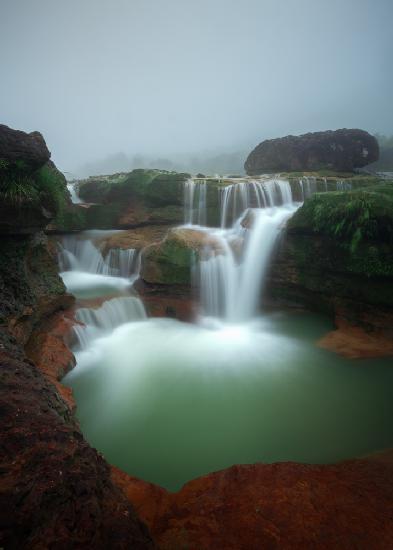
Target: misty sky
{"x":159,"y":77}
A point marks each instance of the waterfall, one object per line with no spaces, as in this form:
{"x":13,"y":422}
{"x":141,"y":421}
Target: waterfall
{"x":73,"y":192}
{"x":343,"y":186}
{"x":195,"y":193}
{"x":231,"y":279}
{"x":308,"y":186}
{"x":101,"y":321}
{"x":238,"y":197}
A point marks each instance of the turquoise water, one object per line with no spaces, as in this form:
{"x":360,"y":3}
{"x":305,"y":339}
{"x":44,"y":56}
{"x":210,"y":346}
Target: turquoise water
{"x":168,"y":401}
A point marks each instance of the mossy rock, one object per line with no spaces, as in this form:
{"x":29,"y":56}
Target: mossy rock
{"x":350,"y":217}
{"x":155,"y":187}
{"x":170,"y":262}
{"x":30,"y":199}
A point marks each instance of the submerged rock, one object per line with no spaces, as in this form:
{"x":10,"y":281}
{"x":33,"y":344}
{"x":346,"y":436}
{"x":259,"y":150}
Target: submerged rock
{"x":340,"y":150}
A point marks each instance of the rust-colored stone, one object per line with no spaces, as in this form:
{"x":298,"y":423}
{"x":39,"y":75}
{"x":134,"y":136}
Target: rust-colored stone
{"x":273,"y":506}
{"x":355,"y":343}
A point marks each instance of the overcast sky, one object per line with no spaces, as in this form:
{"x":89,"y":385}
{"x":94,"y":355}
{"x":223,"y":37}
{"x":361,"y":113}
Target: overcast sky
{"x":157,"y":77}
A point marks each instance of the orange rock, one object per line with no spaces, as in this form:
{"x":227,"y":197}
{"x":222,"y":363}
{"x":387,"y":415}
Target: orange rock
{"x":354,"y":342}
{"x":48,"y":350}
{"x":273,"y":506}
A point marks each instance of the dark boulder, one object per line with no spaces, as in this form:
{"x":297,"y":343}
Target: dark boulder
{"x":340,"y":150}
{"x":19,"y":147}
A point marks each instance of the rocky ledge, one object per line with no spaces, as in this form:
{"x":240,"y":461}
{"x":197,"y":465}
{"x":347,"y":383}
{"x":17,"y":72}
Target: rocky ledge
{"x":276,"y":506}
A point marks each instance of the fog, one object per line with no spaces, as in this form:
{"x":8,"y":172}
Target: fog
{"x":179,"y":80}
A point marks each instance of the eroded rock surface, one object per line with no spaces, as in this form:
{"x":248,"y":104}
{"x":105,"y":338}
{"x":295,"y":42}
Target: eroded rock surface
{"x":55,"y":490}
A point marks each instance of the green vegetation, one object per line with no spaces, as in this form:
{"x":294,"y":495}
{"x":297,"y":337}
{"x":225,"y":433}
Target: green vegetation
{"x":358,"y":223}
{"x":349,"y":216}
{"x":21,"y":187}
{"x":153,"y":187}
{"x":168,"y":262}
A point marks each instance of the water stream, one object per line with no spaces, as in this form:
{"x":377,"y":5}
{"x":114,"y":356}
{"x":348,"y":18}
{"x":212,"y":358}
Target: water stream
{"x":168,"y":401}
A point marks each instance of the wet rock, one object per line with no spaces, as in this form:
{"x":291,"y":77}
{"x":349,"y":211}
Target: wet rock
{"x":56,"y":490}
{"x":354,"y":342}
{"x":134,"y":238}
{"x":340,"y":150}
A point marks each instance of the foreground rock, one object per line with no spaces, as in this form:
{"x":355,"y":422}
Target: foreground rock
{"x":278,"y":506}
{"x":55,"y":489}
{"x":340,"y":150}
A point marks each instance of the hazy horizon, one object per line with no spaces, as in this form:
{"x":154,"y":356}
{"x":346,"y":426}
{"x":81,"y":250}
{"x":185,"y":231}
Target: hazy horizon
{"x":167,"y":80}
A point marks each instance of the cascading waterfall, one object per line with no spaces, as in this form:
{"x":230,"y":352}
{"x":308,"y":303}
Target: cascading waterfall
{"x":81,"y":255}
{"x":195,"y":193}
{"x":230,"y":287}
{"x":135,"y":377}
{"x":238,"y":197}
{"x":74,"y":194}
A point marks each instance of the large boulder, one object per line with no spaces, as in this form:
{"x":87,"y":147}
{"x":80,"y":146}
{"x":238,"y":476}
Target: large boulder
{"x":339,"y":150}
{"x":20,"y":148}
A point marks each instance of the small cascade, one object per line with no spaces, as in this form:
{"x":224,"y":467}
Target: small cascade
{"x":81,"y":255}
{"x":195,"y":193}
{"x":308,"y":186}
{"x":238,"y":197}
{"x":95,"y":323}
{"x":343,"y":185}
{"x":74,"y":194}
{"x":123,"y":262}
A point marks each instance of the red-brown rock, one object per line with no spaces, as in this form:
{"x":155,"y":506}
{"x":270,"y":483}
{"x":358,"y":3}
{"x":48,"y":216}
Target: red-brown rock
{"x":283,"y":506}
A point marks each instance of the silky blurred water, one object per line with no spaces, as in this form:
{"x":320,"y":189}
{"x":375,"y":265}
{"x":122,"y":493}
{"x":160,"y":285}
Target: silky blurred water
{"x":168,"y":401}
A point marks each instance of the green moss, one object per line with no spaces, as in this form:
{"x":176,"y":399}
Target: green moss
{"x":168,"y":263}
{"x":356,"y":229}
{"x":350,"y":217}
{"x":52,"y":188}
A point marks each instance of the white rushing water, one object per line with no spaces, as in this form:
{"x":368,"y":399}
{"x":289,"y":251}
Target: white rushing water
{"x":83,"y":265}
{"x":231,"y":271}
{"x":98,"y":322}
{"x":74,"y":193}
{"x":231,"y":279}
{"x":195,"y":202}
